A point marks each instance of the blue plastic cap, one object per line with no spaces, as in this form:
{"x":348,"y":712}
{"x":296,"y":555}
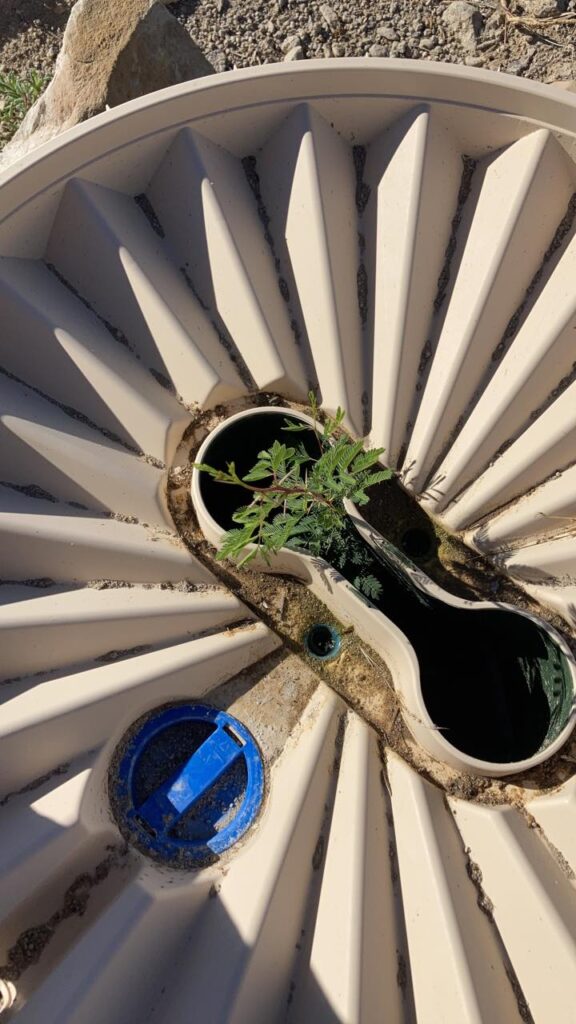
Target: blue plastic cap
{"x":189,"y":783}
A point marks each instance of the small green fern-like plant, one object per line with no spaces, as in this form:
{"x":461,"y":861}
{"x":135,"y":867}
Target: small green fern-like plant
{"x":297,"y":500}
{"x":17,"y":94}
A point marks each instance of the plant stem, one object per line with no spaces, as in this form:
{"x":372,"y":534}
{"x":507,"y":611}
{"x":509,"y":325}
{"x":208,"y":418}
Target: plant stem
{"x":277,"y":489}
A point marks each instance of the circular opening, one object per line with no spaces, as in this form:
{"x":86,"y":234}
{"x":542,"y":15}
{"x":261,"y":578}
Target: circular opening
{"x":322,"y":641}
{"x":186,"y":783}
{"x":241,"y":441}
{"x":501,"y":691}
{"x":416,"y":543}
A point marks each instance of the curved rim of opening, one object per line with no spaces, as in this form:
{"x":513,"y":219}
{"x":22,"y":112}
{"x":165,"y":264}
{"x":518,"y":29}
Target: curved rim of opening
{"x":418,"y":720}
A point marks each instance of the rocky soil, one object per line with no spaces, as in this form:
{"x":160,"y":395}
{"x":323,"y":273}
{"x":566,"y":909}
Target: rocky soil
{"x":235,"y":33}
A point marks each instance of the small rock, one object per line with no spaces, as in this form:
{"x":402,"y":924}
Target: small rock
{"x":338,"y":50}
{"x":290,"y":43}
{"x":296,"y":53}
{"x":376,"y":50}
{"x":543,"y":8}
{"x":561,"y":72}
{"x":518,"y":67}
{"x":387,"y":32}
{"x":329,"y":15}
{"x":218,"y":60}
{"x":427,"y":44}
{"x":474,"y":62}
{"x":464,"y":22}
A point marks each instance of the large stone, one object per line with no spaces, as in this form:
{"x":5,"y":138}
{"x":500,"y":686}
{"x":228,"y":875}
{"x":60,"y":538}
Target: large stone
{"x":111,"y":52}
{"x":464,"y":22}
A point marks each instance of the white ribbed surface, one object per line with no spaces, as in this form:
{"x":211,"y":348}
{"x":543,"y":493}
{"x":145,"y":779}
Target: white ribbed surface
{"x":359,"y":897}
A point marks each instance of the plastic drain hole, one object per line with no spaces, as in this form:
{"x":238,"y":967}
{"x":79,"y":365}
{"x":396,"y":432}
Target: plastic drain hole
{"x":322,"y":641}
{"x":416,"y":543}
{"x":186,"y":783}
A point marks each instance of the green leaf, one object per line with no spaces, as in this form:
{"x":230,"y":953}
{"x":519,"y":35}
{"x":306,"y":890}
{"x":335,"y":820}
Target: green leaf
{"x":369,"y":586}
{"x":203,"y":467}
{"x":377,"y":478}
{"x":260,"y":472}
{"x":348,"y":454}
{"x":249,"y":556}
{"x":234,"y":542}
{"x":367,"y":459}
{"x":279,"y":454}
{"x":333,"y":422}
{"x":221,"y":475}
{"x":295,"y":428}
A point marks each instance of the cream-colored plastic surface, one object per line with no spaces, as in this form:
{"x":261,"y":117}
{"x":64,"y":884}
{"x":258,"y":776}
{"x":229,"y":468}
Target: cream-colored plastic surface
{"x":433,"y":297}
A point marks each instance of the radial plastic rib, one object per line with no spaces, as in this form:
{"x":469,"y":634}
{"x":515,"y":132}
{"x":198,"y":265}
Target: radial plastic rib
{"x":54,"y":628}
{"x":74,"y":360}
{"x":413,"y":171}
{"x":204,"y":202}
{"x":41,"y":448}
{"x":131,"y":946}
{"x":534,"y":905}
{"x":102,"y":243}
{"x":354,"y":967}
{"x":540,"y":357}
{"x":307,"y":178}
{"x":42,"y":539}
{"x":42,"y":830}
{"x":518,"y":197}
{"x":553,"y":561}
{"x":549,"y":509}
{"x":455,"y":956}
{"x":541,"y":451}
{"x":79,"y":711}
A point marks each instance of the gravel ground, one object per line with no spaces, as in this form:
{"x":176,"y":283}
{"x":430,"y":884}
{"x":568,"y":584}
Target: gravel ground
{"x":238,"y":33}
